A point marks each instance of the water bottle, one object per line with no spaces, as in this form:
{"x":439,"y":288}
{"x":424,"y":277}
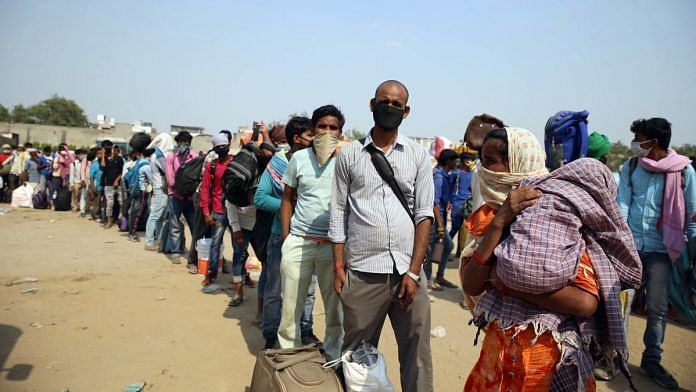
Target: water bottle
{"x":438,"y":249}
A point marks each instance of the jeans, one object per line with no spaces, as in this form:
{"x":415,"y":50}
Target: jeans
{"x":177,"y":239}
{"x":428,"y":267}
{"x":138,"y":204}
{"x":240,"y":256}
{"x":457,"y":219}
{"x":272,"y":303}
{"x":109,"y":194}
{"x":657,"y":272}
{"x":217,"y":233}
{"x":155,"y":222}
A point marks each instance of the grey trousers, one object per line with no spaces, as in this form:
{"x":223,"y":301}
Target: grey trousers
{"x":367,"y":299}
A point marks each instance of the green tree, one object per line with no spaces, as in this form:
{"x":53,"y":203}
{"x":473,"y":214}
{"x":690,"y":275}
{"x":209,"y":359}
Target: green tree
{"x":20,"y":114}
{"x":355,"y":134}
{"x":58,"y":111}
{"x":618,"y":155}
{"x":686,"y":149}
{"x":4,"y":113}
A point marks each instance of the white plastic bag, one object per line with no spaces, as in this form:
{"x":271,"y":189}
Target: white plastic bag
{"x":21,"y":197}
{"x":364,"y":370}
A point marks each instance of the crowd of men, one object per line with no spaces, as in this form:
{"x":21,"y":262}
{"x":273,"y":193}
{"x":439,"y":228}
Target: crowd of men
{"x":323,"y":213}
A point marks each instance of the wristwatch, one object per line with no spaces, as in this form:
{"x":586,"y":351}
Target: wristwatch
{"x":413,"y":276}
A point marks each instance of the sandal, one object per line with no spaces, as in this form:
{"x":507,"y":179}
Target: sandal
{"x":236,"y":301}
{"x":257,"y":323}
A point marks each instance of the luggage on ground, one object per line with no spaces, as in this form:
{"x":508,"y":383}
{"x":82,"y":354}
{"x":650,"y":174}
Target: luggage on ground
{"x":21,"y":197}
{"x":40,"y":200}
{"x":62,"y":199}
{"x":293,"y":370}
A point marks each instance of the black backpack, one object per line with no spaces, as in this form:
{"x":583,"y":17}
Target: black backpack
{"x":240,"y":180}
{"x":188,"y":176}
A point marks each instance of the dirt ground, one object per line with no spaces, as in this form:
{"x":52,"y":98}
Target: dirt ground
{"x":107,"y":314}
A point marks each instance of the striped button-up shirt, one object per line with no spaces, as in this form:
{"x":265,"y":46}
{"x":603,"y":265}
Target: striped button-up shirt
{"x":641,"y":205}
{"x":367,"y":216}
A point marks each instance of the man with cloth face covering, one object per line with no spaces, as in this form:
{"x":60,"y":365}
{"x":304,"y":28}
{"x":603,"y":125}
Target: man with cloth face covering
{"x":382,"y":248}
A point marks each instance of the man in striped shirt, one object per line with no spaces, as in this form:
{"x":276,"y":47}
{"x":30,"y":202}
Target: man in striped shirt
{"x":377,"y":249}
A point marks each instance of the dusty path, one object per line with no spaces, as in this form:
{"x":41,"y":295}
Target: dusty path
{"x":108,"y":314}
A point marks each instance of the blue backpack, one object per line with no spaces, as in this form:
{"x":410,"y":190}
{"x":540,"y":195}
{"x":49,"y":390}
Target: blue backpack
{"x":565,"y":138}
{"x":132,"y":178}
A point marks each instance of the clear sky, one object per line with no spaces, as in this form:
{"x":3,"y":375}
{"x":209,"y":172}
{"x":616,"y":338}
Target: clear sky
{"x":223,"y":64}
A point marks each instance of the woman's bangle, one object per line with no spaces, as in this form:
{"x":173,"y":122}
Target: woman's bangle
{"x":479,"y":260}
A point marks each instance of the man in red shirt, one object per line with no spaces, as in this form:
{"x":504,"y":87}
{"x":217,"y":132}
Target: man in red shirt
{"x":212,"y":204}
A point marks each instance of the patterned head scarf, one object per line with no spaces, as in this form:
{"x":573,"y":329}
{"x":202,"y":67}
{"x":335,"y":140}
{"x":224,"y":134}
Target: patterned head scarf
{"x":525,"y":159}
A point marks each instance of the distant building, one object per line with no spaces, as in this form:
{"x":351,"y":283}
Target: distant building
{"x":142,"y":126}
{"x":104,"y":122}
{"x":194,"y":131}
{"x":423,"y":141}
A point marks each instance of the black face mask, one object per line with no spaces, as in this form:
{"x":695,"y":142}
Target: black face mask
{"x":387,"y":117}
{"x":222,"y":151}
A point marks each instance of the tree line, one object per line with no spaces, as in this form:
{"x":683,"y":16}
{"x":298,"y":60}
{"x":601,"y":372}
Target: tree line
{"x":55,"y":110}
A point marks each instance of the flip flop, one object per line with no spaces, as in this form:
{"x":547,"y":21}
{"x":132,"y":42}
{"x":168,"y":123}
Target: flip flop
{"x":236,"y":301}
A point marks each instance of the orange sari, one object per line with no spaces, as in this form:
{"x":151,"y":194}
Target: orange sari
{"x":513,"y":363}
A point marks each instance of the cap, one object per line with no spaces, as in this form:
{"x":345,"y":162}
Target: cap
{"x":4,"y":146}
{"x":220,"y":140}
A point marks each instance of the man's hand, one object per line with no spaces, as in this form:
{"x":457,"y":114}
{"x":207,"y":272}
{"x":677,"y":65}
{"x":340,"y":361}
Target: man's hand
{"x":238,"y":237}
{"x":209,"y":220}
{"x":116,"y":184}
{"x":339,"y":279}
{"x":440,"y":232}
{"x":407,"y":292}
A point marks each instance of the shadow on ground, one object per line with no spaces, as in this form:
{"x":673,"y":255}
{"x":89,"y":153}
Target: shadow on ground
{"x":9,"y":336}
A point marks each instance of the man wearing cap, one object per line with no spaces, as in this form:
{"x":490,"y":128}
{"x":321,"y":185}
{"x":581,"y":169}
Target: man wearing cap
{"x":211,"y":202}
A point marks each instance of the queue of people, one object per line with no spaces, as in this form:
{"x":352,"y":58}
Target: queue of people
{"x":551,"y":244}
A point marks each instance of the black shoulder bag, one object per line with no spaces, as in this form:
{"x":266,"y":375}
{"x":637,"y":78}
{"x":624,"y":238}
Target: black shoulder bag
{"x":385,"y":171}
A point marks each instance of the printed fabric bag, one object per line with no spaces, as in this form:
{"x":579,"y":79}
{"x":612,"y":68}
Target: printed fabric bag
{"x":364,"y":370}
{"x":293,"y":370}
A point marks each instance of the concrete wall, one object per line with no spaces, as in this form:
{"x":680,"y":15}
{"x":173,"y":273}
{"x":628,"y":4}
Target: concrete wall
{"x":55,"y":135}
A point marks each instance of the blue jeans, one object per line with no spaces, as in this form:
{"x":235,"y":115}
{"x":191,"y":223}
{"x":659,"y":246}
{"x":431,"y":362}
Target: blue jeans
{"x":136,"y":213}
{"x":457,"y":219}
{"x":449,"y":245}
{"x":272,"y":303}
{"x":217,"y":233}
{"x":240,"y":256}
{"x":155,"y":222}
{"x":177,"y":239}
{"x":657,"y":272}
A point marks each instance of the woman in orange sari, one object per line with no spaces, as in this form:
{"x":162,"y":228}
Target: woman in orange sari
{"x":538,"y":335}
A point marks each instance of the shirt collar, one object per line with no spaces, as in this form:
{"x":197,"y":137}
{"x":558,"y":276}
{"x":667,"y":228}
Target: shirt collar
{"x":400,"y":140}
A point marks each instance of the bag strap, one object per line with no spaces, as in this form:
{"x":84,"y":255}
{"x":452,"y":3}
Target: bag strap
{"x":385,"y":171}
